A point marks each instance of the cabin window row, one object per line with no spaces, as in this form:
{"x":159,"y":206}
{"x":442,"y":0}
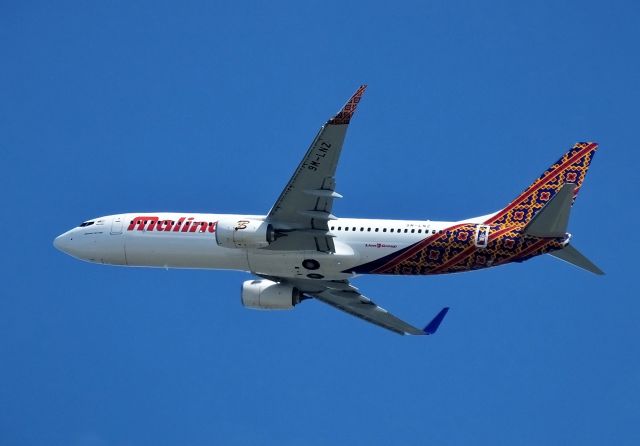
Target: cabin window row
{"x":369,"y":229}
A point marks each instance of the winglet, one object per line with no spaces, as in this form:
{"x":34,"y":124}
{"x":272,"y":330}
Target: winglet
{"x":435,"y":322}
{"x":345,"y":114}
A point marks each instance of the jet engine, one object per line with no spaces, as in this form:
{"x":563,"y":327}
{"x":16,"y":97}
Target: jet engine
{"x":268,"y":295}
{"x":246,"y":233}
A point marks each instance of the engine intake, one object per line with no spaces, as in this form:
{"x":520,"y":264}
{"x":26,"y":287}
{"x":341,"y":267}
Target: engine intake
{"x":269,"y":295}
{"x":246,"y":233}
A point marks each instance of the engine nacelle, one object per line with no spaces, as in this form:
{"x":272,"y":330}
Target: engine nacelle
{"x":268,"y":295}
{"x":246,"y":233}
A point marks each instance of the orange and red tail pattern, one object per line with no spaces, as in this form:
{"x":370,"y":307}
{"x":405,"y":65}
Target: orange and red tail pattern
{"x":454,"y":249}
{"x":571,"y":168}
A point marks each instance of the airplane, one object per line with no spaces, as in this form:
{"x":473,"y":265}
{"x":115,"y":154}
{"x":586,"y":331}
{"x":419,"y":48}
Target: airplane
{"x":299,"y":250}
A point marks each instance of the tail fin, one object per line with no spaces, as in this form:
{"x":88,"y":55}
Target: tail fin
{"x":570,"y":169}
{"x":552,"y":220}
{"x":571,"y":255}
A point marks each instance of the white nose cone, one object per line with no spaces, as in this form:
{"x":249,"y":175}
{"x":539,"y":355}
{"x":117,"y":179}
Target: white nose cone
{"x":61,"y":243}
{"x":73,"y":244}
{"x":95,"y":245}
{"x":68,"y":243}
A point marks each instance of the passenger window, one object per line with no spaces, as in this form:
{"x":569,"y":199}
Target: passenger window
{"x":391,"y":230}
{"x":377,"y":229}
{"x":419,"y":231}
{"x":384,"y":230}
{"x":332,"y":228}
{"x":339,"y":228}
{"x":368,"y":229}
{"x":346,"y":228}
{"x":354,"y":228}
{"x":361,"y":229}
{"x":413,"y":230}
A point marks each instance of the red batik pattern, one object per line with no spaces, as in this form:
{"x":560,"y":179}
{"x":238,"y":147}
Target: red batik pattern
{"x":455,"y":250}
{"x":344,"y":115}
{"x":571,"y":168}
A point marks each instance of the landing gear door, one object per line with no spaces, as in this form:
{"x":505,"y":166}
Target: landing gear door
{"x":116,"y":226}
{"x":482,"y":236}
{"x":276,"y":263}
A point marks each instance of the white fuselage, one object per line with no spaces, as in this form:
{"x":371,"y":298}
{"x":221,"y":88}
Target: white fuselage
{"x":117,"y":240}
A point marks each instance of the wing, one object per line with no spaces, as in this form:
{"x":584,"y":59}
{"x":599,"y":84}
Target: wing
{"x":344,"y":296}
{"x":303,"y":210}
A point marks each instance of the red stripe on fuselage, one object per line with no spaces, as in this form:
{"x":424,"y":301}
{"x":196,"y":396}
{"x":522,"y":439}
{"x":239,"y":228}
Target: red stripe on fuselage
{"x":468,"y":251}
{"x":418,"y":247}
{"x":525,"y":252}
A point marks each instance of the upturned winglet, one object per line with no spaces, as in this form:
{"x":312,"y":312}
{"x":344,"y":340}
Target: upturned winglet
{"x":432,"y":326}
{"x":344,"y":115}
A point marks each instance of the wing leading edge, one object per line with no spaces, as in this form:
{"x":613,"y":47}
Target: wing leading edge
{"x":364,"y":308}
{"x":300,"y":218}
{"x":303,"y":209}
{"x":344,"y":296}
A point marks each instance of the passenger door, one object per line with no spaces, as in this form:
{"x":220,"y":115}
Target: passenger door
{"x":482,"y":235}
{"x":116,"y":226}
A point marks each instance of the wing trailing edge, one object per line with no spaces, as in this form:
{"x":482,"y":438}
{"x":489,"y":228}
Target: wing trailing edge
{"x":355,"y":304}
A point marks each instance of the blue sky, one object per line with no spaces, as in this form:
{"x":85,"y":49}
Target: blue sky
{"x":111,"y":107}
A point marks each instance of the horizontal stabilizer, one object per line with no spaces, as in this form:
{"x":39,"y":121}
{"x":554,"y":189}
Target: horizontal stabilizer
{"x":553,"y":218}
{"x":571,"y":255}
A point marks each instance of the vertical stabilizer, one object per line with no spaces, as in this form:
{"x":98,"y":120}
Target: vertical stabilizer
{"x":571,"y":168}
{"x":552,"y":220}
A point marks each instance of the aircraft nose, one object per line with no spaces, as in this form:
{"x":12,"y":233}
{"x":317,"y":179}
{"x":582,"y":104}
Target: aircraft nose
{"x":61,"y":242}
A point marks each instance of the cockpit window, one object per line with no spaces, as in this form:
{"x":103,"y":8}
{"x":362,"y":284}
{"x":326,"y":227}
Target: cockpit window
{"x":86,"y":223}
